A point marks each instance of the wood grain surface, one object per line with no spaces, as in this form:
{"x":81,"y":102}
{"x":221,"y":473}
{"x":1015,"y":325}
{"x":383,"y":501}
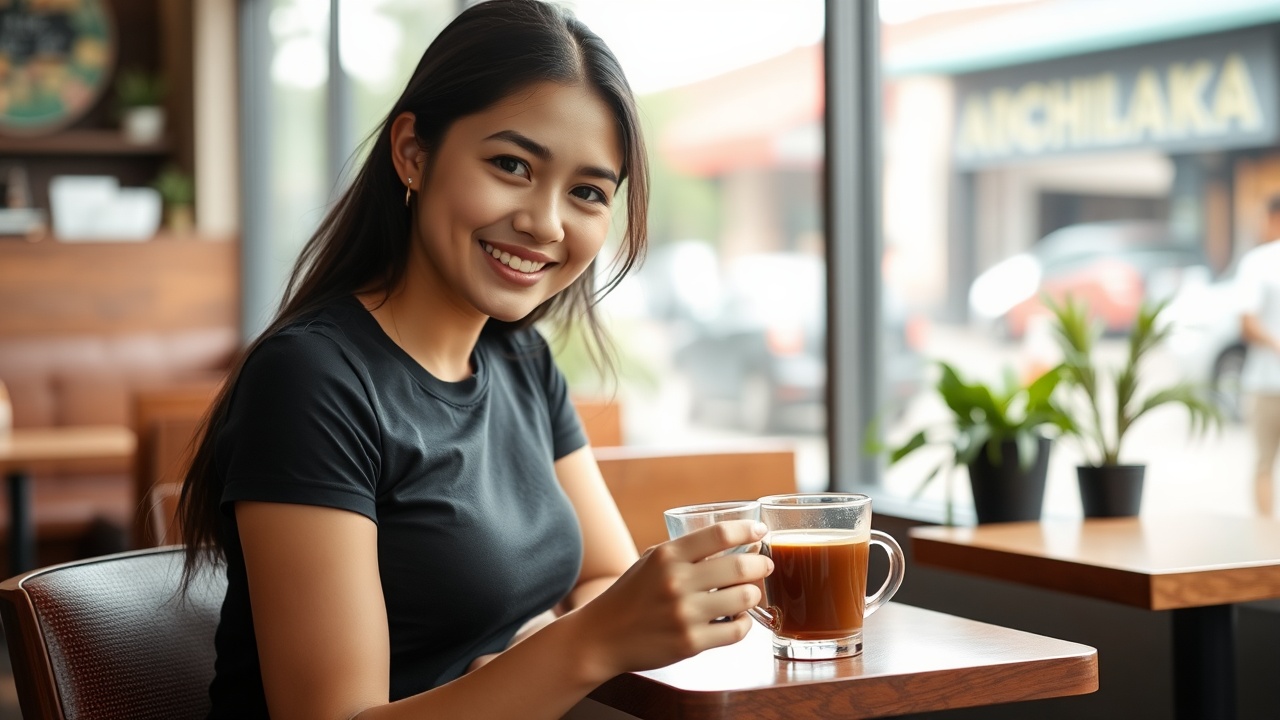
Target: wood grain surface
{"x":57,"y":449}
{"x":1156,"y":563}
{"x":644,"y":481}
{"x":914,"y":660}
{"x":103,"y":288}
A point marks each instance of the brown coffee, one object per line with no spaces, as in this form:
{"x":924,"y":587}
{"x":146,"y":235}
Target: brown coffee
{"x":818,"y":587}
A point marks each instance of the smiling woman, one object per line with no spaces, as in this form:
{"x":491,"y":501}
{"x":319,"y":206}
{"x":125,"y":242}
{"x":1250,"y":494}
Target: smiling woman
{"x":411,"y":520}
{"x":531,"y":177}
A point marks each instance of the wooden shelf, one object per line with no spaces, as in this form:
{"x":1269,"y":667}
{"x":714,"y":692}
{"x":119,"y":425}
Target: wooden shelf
{"x":81,"y":142}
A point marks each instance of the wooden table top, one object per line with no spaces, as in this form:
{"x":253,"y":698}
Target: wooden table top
{"x":1156,"y":563}
{"x":61,"y":448}
{"x":914,"y":660}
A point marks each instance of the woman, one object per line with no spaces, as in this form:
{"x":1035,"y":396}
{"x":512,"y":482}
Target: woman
{"x":411,"y":521}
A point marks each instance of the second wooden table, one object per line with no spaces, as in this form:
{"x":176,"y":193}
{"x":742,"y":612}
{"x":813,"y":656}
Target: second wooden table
{"x":1197,"y":567}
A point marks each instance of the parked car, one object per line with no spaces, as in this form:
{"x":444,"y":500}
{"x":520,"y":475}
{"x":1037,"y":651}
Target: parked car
{"x":1111,"y":266}
{"x":761,"y":355}
{"x":1205,"y":339}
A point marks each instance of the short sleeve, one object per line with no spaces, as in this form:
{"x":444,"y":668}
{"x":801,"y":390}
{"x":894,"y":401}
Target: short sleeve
{"x":567,"y":434}
{"x":1248,"y":285}
{"x":301,"y":428}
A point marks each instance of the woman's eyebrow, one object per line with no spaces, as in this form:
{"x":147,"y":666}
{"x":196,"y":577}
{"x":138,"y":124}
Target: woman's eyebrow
{"x":533,"y":147}
{"x":542,"y":152}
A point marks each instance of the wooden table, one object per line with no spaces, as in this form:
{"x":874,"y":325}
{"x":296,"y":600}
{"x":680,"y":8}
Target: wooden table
{"x":27,"y":450}
{"x":1197,"y":567}
{"x":915,"y":661}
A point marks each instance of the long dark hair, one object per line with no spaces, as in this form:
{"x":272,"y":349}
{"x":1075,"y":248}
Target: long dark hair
{"x":489,"y":51}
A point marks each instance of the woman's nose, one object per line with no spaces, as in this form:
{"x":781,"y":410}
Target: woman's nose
{"x":540,"y":219}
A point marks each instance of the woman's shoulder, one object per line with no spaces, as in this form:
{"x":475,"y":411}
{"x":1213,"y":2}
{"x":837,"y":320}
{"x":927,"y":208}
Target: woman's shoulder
{"x":312,"y":348}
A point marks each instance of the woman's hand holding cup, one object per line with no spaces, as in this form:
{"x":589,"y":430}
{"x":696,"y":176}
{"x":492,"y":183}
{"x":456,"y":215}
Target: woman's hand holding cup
{"x":664,"y":608}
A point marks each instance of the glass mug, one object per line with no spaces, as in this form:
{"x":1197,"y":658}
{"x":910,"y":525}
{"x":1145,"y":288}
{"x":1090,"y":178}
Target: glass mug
{"x":684,"y":520}
{"x":815,"y":599}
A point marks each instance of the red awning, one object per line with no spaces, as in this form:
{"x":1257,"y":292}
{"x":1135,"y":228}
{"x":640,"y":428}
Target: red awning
{"x":764,"y":115}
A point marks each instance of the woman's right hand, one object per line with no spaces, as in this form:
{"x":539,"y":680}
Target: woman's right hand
{"x":662,"y":609}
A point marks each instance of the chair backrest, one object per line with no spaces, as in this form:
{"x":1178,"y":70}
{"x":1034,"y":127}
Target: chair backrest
{"x":112,"y":638}
{"x":646,"y":481}
{"x":165,"y":421}
{"x":601,"y":420}
{"x":162,"y":509}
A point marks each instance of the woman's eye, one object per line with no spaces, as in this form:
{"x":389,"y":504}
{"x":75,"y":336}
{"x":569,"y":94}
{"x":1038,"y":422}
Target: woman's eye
{"x":506,"y":163}
{"x":590,"y":194}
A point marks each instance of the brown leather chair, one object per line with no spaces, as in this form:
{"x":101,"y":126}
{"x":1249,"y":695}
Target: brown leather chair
{"x":111,"y":638}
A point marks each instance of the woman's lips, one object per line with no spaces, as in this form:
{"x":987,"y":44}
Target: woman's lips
{"x":521,"y":259}
{"x":512,"y":268}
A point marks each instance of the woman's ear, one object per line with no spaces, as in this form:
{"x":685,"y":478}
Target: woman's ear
{"x":406,"y":154}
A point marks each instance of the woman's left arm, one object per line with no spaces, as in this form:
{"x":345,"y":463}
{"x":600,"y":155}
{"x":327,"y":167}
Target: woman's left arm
{"x":608,"y":550}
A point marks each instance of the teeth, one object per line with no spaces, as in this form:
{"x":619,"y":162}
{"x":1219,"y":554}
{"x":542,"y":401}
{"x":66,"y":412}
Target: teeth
{"x":511,"y":261}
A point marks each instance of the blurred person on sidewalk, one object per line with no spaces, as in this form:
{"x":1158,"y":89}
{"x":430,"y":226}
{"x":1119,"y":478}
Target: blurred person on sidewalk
{"x":1259,"y":283}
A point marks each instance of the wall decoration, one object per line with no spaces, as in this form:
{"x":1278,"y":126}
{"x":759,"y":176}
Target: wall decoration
{"x":56,"y":58}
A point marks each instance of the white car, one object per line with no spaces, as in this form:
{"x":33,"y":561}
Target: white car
{"x":1206,"y":341}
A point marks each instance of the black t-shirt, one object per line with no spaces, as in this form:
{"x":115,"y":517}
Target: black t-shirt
{"x":475,"y":534}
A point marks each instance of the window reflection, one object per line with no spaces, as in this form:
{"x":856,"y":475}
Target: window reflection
{"x":722,"y":330}
{"x":1028,"y":153}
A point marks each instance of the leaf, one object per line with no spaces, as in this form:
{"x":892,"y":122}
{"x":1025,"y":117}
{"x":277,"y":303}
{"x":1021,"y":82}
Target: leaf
{"x":1028,"y":449}
{"x":1203,"y":411}
{"x":916,"y":442}
{"x":915,"y":495}
{"x":974,"y":438}
{"x":970,"y":403}
{"x":1041,"y":390}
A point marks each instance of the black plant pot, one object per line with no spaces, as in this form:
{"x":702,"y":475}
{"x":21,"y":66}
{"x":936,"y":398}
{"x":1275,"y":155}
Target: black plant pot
{"x":1006,"y":491}
{"x":1111,"y":490}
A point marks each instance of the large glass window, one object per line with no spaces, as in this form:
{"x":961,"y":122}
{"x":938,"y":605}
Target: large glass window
{"x":1029,"y":154}
{"x":721,"y":333}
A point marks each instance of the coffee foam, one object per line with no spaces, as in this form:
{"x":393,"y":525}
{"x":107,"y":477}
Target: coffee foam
{"x":820,"y":536}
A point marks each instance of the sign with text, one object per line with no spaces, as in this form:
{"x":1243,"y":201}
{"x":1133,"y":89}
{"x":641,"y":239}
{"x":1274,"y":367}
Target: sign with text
{"x":1207,"y":93}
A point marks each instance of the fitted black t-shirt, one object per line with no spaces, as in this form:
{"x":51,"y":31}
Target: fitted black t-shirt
{"x":475,"y":534}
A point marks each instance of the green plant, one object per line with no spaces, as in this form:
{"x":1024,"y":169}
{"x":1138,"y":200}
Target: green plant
{"x":1103,"y":440}
{"x":176,"y":187}
{"x":138,"y":88}
{"x":986,"y":416}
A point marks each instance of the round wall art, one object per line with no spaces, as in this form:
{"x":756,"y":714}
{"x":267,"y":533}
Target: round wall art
{"x":55,"y":60}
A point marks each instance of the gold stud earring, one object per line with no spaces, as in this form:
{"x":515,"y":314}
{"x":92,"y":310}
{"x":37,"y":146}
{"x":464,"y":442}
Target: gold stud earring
{"x":407,"y":189}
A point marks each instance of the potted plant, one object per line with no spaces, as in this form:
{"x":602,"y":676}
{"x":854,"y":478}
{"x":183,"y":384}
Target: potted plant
{"x":1105,"y":413}
{"x":140,"y":95}
{"x":178,"y":191}
{"x":1002,"y":435}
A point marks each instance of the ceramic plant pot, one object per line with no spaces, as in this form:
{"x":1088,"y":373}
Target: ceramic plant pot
{"x":1005,"y":491}
{"x":1111,"y":490}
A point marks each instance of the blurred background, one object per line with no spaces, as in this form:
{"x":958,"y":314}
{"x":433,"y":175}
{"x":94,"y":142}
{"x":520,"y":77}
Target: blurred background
{"x":163,"y":163}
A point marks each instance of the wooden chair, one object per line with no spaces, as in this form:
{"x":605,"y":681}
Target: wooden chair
{"x":646,"y":481}
{"x":166,"y":421}
{"x":601,"y":420}
{"x":110,"y":638}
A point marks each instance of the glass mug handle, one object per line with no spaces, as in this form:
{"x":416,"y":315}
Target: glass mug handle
{"x":897,"y":562}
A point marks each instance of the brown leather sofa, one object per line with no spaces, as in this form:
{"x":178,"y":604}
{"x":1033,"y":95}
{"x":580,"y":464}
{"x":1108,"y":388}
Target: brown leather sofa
{"x":91,"y":380}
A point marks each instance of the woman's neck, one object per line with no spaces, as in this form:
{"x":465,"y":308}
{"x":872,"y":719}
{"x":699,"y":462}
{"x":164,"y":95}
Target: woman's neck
{"x":428,"y":322}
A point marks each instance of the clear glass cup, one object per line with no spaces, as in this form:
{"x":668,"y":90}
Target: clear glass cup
{"x":684,"y":520}
{"x":815,"y":599}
